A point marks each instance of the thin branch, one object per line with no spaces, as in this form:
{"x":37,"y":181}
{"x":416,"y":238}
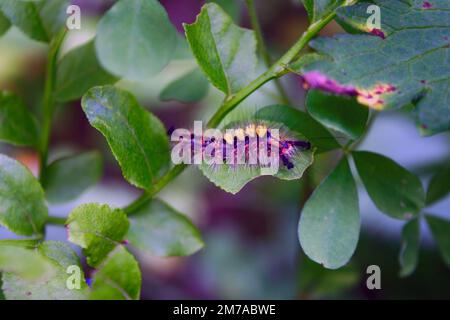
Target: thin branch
{"x":263,"y":48}
{"x":56,"y":220}
{"x":48,"y":103}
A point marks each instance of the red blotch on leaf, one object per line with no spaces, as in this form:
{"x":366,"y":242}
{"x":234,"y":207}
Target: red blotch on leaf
{"x":427,"y":5}
{"x":317,"y":80}
{"x":378,"y":33}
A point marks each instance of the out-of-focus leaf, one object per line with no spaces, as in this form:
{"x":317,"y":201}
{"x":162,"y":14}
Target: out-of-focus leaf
{"x":299,"y":121}
{"x":136,"y":137}
{"x":160,"y":230}
{"x":231,"y":7}
{"x":394,"y":190}
{"x":26,"y":263}
{"x":315,"y":281}
{"x":53,"y":14}
{"x":405,"y":61}
{"x":55,"y":288}
{"x":190,"y":88}
{"x":65,"y":179}
{"x":40,"y":19}
{"x":225,"y":52}
{"x":25,"y":16}
{"x":78,"y":71}
{"x":118,"y":278}
{"x":17,"y":124}
{"x":22,"y":200}
{"x":330,"y":222}
{"x":338,"y":113}
{"x":98,"y":229}
{"x":318,"y":9}
{"x":135,"y":39}
{"x":439,"y":186}
{"x":409,"y":253}
{"x":24,"y":243}
{"x":182,"y":51}
{"x":4,"y":24}
{"x":440,"y":228}
{"x":289,"y":165}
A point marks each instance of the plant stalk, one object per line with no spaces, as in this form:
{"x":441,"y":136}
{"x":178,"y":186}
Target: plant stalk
{"x":147,"y":195}
{"x":48,"y":104}
{"x":56,"y":220}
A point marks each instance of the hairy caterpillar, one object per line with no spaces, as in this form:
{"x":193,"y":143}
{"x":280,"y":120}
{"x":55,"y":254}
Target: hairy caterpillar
{"x":240,"y":144}
{"x":289,"y":139}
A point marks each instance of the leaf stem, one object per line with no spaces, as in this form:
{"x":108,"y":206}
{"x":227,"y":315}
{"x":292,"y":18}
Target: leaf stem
{"x":276,"y":70}
{"x":147,"y":195}
{"x":27,"y":243}
{"x":256,"y":26}
{"x":56,"y":220}
{"x":48,"y":100}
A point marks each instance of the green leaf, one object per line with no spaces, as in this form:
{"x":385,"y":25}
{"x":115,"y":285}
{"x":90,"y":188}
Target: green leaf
{"x":440,"y":228}
{"x":409,"y":253}
{"x":26,"y":263}
{"x":53,"y":14}
{"x":439,"y":186}
{"x":225,"y":52}
{"x":78,"y":71}
{"x":160,"y":230}
{"x":137,"y":138}
{"x":61,"y":257}
{"x":24,"y":243}
{"x":330,"y":222}
{"x":233,"y":177}
{"x":394,"y":190}
{"x":118,"y":278}
{"x":135,"y":39}
{"x":409,"y":65}
{"x":232,"y":7}
{"x":339,"y":113}
{"x":305,"y":59}
{"x":98,"y":229}
{"x":40,"y":19}
{"x":318,"y":282}
{"x":297,"y":120}
{"x":23,"y":208}
{"x":4,"y":24}
{"x":25,"y":16}
{"x":190,"y":88}
{"x":318,"y":9}
{"x":17,"y":124}
{"x":67,"y":178}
